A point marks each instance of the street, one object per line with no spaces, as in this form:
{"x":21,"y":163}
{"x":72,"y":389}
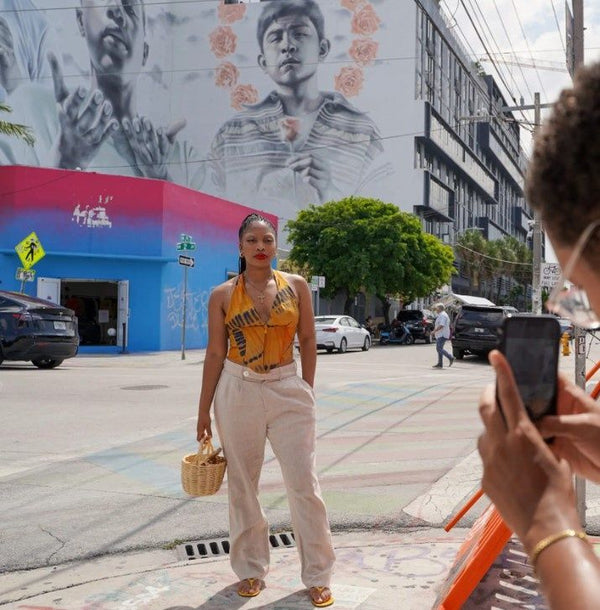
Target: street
{"x":90,"y":452}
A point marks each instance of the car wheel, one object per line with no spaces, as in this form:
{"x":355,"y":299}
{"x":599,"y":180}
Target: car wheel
{"x":458,"y":353}
{"x":367,"y":344}
{"x":409,"y":340}
{"x":343,"y":345}
{"x":46,"y":363}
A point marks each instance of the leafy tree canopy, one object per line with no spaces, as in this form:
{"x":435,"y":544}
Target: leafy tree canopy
{"x":362,"y":244}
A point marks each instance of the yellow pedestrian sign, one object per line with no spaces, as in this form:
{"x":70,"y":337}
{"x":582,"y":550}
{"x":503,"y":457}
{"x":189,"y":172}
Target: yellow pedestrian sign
{"x":30,"y":251}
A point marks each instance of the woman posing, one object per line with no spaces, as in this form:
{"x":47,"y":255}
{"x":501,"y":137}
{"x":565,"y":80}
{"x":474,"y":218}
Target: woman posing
{"x":250,"y":372}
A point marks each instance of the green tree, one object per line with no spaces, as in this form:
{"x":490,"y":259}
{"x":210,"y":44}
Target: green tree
{"x":14,"y":129}
{"x":471,"y":249}
{"x":362,"y":244}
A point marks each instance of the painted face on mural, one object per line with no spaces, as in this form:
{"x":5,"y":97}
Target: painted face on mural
{"x":114,"y":31}
{"x":292,"y":50}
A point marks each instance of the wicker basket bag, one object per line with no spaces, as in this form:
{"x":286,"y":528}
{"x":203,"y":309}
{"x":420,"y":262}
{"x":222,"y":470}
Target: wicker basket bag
{"x":202,"y":472}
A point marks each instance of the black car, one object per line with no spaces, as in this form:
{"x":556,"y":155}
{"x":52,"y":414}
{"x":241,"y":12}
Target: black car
{"x":36,"y":330}
{"x":418,"y":323}
{"x":476,"y":329}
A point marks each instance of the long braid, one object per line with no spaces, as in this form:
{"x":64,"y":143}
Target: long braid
{"x":254,"y":217}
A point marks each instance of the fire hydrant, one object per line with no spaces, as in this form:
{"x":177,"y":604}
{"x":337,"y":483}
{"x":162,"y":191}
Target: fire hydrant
{"x":564,"y":342}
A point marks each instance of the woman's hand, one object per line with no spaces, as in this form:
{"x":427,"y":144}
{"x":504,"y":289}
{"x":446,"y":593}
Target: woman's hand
{"x":576,"y":429}
{"x":529,"y":485}
{"x":203,"y":429}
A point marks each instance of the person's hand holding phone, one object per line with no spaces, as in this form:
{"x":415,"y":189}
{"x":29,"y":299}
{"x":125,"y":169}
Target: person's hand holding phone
{"x":530,"y":486}
{"x":576,"y":430}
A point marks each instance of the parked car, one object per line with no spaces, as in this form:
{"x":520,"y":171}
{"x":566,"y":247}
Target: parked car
{"x":341,"y":333}
{"x":36,"y":330}
{"x":418,"y":323}
{"x":476,"y":329}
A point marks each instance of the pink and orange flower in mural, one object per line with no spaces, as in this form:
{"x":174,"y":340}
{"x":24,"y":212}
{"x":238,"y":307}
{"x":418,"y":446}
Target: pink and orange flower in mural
{"x":349,"y":80}
{"x":226,"y":75}
{"x":223,"y":41}
{"x":230,"y":13}
{"x":243,"y":94}
{"x":365,"y":21}
{"x":290,"y":128}
{"x":363,"y":51}
{"x":352,"y":5}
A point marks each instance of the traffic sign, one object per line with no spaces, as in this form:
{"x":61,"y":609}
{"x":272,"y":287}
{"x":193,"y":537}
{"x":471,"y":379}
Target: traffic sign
{"x":186,"y":243}
{"x":549,"y":274}
{"x":30,"y":250}
{"x":186,"y":261}
{"x":25,"y":275}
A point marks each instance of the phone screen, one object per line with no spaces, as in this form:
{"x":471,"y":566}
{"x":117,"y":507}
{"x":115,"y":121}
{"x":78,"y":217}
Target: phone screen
{"x":531,"y":345}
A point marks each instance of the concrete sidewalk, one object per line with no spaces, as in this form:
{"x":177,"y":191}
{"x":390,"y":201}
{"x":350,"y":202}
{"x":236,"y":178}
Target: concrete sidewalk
{"x":374,"y":571}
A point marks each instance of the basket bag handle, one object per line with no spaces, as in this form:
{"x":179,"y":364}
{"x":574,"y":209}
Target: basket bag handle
{"x":206,"y":451}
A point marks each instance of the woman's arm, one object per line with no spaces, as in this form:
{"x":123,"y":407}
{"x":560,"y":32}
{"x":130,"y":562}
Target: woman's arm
{"x":533,"y":490}
{"x":306,"y":330}
{"x":216,"y":351}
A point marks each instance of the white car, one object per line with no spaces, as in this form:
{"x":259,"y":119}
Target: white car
{"x":341,"y":333}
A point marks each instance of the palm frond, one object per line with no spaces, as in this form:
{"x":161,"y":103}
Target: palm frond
{"x":15,"y":130}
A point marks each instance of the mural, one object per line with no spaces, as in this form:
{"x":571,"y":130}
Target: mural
{"x":274,"y":105}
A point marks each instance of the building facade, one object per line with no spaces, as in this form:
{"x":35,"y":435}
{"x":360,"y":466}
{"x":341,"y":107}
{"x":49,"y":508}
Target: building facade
{"x":370,"y":98}
{"x":112,"y":248}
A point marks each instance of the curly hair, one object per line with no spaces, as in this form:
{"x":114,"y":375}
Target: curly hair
{"x":563,"y":178}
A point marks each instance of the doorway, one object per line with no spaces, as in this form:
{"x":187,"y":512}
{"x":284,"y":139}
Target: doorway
{"x":95,"y":303}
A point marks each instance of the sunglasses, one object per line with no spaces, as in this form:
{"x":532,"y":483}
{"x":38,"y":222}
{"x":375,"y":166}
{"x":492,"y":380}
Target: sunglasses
{"x":569,"y":300}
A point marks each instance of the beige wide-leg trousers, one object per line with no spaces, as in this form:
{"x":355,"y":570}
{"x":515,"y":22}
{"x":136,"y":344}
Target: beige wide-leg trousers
{"x":249,"y":408}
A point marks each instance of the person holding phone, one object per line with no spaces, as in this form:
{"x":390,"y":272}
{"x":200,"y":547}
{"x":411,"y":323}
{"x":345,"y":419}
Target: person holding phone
{"x":530,"y":480}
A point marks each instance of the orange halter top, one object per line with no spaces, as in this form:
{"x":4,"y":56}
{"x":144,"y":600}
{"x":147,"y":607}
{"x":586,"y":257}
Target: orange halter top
{"x":260,"y":345}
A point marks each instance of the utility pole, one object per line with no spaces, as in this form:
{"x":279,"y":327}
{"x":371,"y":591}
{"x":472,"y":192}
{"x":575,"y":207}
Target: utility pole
{"x":537,"y":228}
{"x":580,"y":334}
{"x":578,"y":32}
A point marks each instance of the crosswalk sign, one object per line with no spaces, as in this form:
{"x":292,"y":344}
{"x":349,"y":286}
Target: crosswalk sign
{"x":30,"y":251}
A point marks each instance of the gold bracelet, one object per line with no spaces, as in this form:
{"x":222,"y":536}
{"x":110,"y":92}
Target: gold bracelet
{"x":544,"y":543}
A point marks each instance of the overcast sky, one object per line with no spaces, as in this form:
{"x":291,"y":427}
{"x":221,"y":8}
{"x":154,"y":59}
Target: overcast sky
{"x":525,"y":32}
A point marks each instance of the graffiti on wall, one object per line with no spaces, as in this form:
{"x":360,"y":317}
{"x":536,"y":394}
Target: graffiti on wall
{"x":196,"y":309}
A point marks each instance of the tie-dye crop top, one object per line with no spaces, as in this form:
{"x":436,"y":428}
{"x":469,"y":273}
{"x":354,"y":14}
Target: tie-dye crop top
{"x":252,"y":342}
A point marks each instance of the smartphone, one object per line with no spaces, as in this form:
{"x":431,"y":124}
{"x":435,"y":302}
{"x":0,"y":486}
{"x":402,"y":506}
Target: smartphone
{"x":531,"y":345}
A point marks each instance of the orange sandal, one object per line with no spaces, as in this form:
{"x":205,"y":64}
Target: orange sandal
{"x":253,"y":589}
{"x":319,"y":591}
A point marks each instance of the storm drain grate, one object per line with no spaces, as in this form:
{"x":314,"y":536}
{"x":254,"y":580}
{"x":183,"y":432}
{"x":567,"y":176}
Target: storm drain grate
{"x":205,"y":549}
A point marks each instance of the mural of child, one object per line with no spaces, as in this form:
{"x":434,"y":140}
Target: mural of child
{"x":299,"y":143}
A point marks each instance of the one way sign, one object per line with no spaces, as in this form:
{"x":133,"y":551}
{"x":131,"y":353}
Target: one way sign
{"x":186,"y":261}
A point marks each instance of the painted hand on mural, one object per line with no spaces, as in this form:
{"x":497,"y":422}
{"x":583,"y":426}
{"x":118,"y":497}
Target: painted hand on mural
{"x":151,"y":147}
{"x":9,"y":69}
{"x":85,"y":121}
{"x":315,"y":171}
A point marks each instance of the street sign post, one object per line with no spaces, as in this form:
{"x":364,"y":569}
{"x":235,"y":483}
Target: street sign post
{"x":187,"y":261}
{"x":550,"y":274}
{"x":186,"y":243}
{"x":317,"y":282}
{"x":25,"y":275}
{"x":30,"y":250}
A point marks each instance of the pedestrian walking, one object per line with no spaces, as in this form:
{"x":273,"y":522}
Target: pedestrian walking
{"x":250,"y":374}
{"x":441,"y":332}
